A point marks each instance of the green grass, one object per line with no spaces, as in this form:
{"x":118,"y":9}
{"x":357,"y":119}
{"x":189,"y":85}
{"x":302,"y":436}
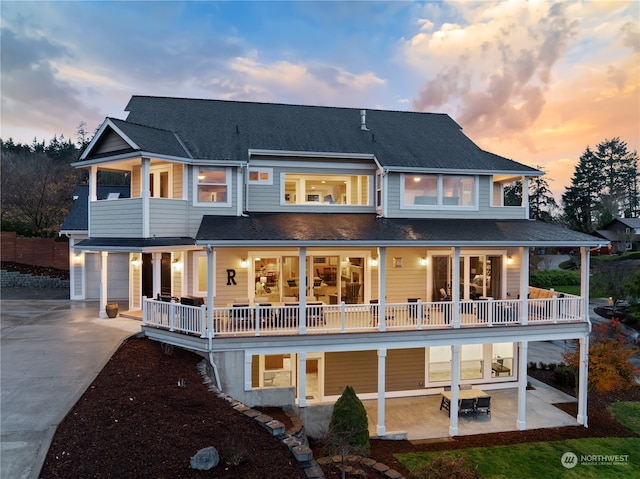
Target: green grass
{"x":543,"y":459}
{"x":627,"y":414}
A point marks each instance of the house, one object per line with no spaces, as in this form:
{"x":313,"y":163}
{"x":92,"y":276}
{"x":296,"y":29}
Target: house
{"x":622,"y":233}
{"x":306,"y":248}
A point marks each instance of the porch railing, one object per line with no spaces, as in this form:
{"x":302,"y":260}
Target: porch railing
{"x":256,"y":320}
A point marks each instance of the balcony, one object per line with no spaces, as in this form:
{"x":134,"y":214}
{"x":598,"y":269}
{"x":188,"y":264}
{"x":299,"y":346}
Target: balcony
{"x":292,"y":319}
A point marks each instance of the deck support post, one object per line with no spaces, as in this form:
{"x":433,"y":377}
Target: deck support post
{"x":382,"y":364}
{"x":302,"y":381}
{"x":455,"y":386}
{"x":583,"y":371}
{"x":521,"y":422}
{"x":382,"y":288}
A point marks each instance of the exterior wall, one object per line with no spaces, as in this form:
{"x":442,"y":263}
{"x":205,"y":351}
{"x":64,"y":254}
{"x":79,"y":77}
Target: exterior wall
{"x":267,"y":198}
{"x":405,"y":369}
{"x":121,"y":218}
{"x":483,"y":211}
{"x":168,"y":217}
{"x":118,"y":276}
{"x":357,"y":369}
{"x":409,"y":281}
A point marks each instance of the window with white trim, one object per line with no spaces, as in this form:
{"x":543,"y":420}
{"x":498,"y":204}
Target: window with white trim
{"x":213,"y":186}
{"x":429,"y":191}
{"x":311,"y":189}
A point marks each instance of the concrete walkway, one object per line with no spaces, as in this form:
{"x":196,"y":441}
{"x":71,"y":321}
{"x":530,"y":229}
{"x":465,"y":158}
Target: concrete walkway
{"x":51,"y":351}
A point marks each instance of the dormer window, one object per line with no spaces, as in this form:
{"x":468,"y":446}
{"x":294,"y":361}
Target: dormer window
{"x":431,"y":191}
{"x":213,"y":186}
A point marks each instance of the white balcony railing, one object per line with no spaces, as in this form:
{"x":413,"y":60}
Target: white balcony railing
{"x":287,"y":319}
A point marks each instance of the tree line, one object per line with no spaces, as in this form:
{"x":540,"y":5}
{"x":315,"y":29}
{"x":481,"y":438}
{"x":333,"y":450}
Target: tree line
{"x":604,"y":186}
{"x":38,"y":184}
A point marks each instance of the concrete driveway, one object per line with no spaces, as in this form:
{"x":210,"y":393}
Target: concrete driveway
{"x":51,"y":351}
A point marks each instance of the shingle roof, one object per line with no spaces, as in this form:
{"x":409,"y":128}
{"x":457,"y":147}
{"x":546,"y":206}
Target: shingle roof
{"x":78,"y":217}
{"x":151,"y":139}
{"x":133,"y":244}
{"x":226,"y":130}
{"x":366,"y":229}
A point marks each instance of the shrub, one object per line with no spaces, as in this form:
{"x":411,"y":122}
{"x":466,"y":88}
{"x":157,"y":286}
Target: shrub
{"x":610,"y":366}
{"x":348,"y":428}
{"x":552,"y":278}
{"x":564,"y":376}
{"x":552,"y":366}
{"x":445,"y":466}
{"x":533,"y":365}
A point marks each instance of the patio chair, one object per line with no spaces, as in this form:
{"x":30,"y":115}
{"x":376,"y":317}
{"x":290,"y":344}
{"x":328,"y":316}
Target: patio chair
{"x":265,"y":315}
{"x":483,"y":405}
{"x":466,"y":406}
{"x":413,"y":308}
{"x":240,"y":317}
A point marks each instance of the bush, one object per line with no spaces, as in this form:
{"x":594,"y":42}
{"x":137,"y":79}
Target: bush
{"x":348,"y":428}
{"x":550,"y":279}
{"x":533,"y":365}
{"x":564,"y":376}
{"x":445,"y":466}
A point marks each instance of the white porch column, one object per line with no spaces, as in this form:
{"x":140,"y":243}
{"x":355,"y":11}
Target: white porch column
{"x":302,"y":380}
{"x":382,"y":287}
{"x":455,"y":288}
{"x":247,"y":370}
{"x":145,"y":191}
{"x":157,"y":274}
{"x":104,"y":269}
{"x":523,"y":347}
{"x":585,"y":258}
{"x":210,"y":277}
{"x":382,"y":372}
{"x":525,"y":197}
{"x":302,"y":291}
{"x":524,"y":284}
{"x":583,"y":372}
{"x":93,"y":194}
{"x":455,"y":386}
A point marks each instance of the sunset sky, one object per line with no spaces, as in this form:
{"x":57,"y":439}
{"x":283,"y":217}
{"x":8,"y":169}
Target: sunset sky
{"x":534,"y":81}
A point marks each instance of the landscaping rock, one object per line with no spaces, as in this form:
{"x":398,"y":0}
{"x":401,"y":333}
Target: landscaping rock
{"x":205,"y":459}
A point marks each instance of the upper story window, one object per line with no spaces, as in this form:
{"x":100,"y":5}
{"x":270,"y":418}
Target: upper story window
{"x":326,"y":189}
{"x":260,"y":176}
{"x":213,"y":186}
{"x":438,"y":190}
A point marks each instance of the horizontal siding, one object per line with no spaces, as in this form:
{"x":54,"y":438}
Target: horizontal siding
{"x":116,"y":218}
{"x":168,"y":217}
{"x":110,"y":142}
{"x":484,"y":211}
{"x":358,"y":369}
{"x":405,"y":369}
{"x":409,"y":281}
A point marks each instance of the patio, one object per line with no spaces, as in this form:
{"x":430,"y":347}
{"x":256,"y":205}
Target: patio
{"x":420,"y":418}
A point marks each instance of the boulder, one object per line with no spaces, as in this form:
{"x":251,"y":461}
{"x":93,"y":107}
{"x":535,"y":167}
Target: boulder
{"x":205,"y":459}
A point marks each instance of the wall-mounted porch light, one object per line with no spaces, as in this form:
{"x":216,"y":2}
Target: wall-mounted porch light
{"x":177,"y":265}
{"x":397,"y":262}
{"x":135,"y":261}
{"x":243,"y":263}
{"x":509,"y":259}
{"x":373,"y":261}
{"x":77,"y":258}
{"x":424,"y":261}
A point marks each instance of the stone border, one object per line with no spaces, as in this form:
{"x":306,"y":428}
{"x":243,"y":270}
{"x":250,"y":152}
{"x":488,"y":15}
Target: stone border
{"x":295,"y":439}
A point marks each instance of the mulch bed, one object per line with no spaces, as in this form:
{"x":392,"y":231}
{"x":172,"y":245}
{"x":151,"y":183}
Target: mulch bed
{"x":35,"y":270}
{"x":135,"y":421}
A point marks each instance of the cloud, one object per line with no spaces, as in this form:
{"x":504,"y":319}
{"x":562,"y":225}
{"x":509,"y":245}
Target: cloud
{"x":495,"y":69}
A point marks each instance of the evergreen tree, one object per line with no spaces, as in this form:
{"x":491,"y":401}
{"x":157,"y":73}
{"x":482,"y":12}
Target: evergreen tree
{"x":542,"y":204}
{"x":581,"y":198}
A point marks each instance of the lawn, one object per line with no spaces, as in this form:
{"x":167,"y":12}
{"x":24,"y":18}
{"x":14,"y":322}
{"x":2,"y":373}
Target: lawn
{"x":543,"y":459}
